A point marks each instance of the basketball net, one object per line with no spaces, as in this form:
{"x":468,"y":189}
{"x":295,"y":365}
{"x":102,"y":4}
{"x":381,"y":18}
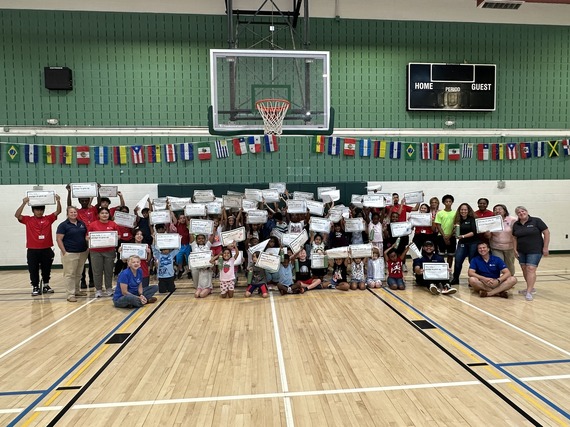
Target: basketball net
{"x":272,"y":112}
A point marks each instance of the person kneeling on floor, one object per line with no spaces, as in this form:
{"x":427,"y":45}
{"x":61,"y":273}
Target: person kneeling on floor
{"x":129,"y":291}
{"x":489,"y":274}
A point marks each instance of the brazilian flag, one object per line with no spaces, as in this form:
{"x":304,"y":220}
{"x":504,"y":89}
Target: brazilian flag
{"x":410,"y":151}
{"x":13,"y":153}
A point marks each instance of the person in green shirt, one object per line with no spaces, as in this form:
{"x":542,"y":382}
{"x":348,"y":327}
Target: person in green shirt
{"x":444,"y":222}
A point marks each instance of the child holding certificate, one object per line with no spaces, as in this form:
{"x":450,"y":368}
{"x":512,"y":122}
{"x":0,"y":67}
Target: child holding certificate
{"x":357,"y":274}
{"x":257,"y":281}
{"x":339,"y":279}
{"x":395,"y":268}
{"x":202,"y":277}
{"x":285,"y":278}
{"x":375,"y":270}
{"x":227,"y":272}
{"x":164,"y":259}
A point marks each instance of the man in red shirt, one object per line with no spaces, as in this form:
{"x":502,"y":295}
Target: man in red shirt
{"x":39,"y":241}
{"x":401,"y":209}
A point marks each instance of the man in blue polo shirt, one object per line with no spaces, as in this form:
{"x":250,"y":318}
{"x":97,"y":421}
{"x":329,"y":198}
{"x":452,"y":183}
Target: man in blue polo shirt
{"x":489,"y":275}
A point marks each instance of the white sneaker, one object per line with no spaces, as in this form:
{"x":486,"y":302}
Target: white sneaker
{"x":98,"y":294}
{"x":434,"y":289}
{"x":448,"y":290}
{"x":523,"y":291}
{"x":529,"y":296}
{"x":108,"y":293}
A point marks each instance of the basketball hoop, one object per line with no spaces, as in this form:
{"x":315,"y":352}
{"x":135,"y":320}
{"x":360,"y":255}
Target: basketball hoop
{"x":272,"y":112}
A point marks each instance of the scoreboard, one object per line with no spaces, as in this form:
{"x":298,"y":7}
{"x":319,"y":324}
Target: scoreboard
{"x":463,"y":87}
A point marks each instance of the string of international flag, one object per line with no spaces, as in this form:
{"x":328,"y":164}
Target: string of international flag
{"x":137,"y":154}
{"x":384,"y":149}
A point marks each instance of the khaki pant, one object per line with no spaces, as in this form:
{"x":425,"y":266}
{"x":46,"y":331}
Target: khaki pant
{"x":73,"y":263}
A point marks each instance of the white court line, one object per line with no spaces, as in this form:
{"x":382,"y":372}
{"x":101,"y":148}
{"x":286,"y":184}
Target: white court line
{"x":543,"y":341}
{"x":285,"y":395}
{"x":281,"y":361}
{"x":17,"y":346}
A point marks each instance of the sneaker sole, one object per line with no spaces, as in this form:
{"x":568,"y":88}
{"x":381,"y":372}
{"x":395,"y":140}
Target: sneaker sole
{"x":434,"y":291}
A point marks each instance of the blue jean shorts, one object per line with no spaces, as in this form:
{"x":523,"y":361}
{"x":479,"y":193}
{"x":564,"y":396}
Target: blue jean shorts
{"x":529,"y":259}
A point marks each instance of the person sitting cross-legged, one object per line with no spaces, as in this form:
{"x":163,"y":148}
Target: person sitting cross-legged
{"x":436,"y":287}
{"x":129,"y":291}
{"x":489,"y":275}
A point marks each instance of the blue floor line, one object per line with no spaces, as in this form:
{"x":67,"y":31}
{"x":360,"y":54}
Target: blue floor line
{"x":22,"y":392}
{"x":536,"y":362}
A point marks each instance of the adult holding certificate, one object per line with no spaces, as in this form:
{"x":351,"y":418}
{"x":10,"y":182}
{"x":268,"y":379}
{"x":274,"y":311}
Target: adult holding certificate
{"x":467,"y":238}
{"x":103,"y":258}
{"x":502,"y":242}
{"x":70,"y":238}
{"x":39,"y":241}
{"x":532,"y":238}
{"x":424,"y":232}
{"x":436,"y":287}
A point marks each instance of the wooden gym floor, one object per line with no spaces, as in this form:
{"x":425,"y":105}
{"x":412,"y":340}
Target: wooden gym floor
{"x":325,"y":358}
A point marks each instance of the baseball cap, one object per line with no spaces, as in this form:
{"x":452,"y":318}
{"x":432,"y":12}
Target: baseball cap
{"x":428,"y":243}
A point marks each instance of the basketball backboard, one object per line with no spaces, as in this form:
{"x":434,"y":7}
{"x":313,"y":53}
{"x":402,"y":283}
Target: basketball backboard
{"x":239,"y":78}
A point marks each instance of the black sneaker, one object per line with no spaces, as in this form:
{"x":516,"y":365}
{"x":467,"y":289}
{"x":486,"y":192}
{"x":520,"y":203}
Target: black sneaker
{"x":48,"y":290}
{"x":35,"y":291}
{"x":189,"y":275}
{"x":180,"y":273}
{"x":83,"y":284}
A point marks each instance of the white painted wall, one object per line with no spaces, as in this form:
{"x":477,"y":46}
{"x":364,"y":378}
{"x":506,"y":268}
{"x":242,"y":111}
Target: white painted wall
{"x":547,"y":199}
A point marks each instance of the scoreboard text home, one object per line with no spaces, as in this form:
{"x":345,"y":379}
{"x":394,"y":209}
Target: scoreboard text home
{"x":467,"y":87}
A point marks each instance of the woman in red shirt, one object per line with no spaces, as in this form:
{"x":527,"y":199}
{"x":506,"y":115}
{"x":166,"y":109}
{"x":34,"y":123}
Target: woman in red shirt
{"x":103,"y":258}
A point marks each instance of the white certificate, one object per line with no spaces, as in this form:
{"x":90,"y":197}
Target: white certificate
{"x":373,"y":201}
{"x":435,"y":270}
{"x":249,"y":205}
{"x":414,"y":251}
{"x":354,"y":225}
{"x":302,"y":195}
{"x":388,"y":201}
{"x":234,"y":193}
{"x":279,"y":186}
{"x":491,"y":223}
{"x":178,"y":203}
{"x":235,"y":235}
{"x":195,"y":209}
{"x":84,"y":190}
{"x":256,"y":216}
{"x":232,"y":201}
{"x":125,"y":219}
{"x":274,"y":251}
{"x":142,"y":204}
{"x":108,"y":191}
{"x":167,"y":240}
{"x":321,"y":190}
{"x":271,"y":195}
{"x":159,"y":204}
{"x":318,"y":261}
{"x":200,"y":259}
{"x":214,"y":208}
{"x":203,"y":196}
{"x":287,"y":238}
{"x":159,"y":217}
{"x":268,"y":262}
{"x":330,"y":196}
{"x":201,"y":226}
{"x":297,"y":206}
{"x":253,"y":194}
{"x":129,"y":249}
{"x":320,"y":225}
{"x":399,"y":229}
{"x":103,"y":239}
{"x":315,"y":207}
{"x":361,"y":251}
{"x":374,"y":186}
{"x":341,"y":252}
{"x":419,"y":219}
{"x":414,"y":197}
{"x":260,"y":247}
{"x":278,"y":234}
{"x":299,"y":242}
{"x":335,"y":216}
{"x":356,"y":200}
{"x":40,"y":198}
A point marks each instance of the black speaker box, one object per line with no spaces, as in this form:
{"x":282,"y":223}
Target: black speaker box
{"x":58,"y":78}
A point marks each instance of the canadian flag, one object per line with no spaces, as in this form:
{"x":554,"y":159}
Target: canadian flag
{"x":83,"y":155}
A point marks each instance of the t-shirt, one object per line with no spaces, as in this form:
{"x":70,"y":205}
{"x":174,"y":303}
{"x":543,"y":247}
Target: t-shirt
{"x":73,"y":236}
{"x":375,"y":232}
{"x":491,"y":268}
{"x":466,"y":226}
{"x":184,"y":232}
{"x":304,"y":270}
{"x":132,"y":280}
{"x":418,"y":262}
{"x":357,"y":272}
{"x":38,"y":231}
{"x":503,"y":240}
{"x":402,"y":215}
{"x":258,"y":276}
{"x":165,"y":263}
{"x":227,"y":272}
{"x":125,"y":233}
{"x":485,"y":214}
{"x":87,"y":215}
{"x":339,"y":273}
{"x":395,"y":270}
{"x":445,"y":219}
{"x":529,"y":236}
{"x":285,"y":275}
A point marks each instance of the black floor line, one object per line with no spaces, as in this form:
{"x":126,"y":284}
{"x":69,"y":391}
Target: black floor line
{"x":460,"y":363}
{"x":83,"y":389}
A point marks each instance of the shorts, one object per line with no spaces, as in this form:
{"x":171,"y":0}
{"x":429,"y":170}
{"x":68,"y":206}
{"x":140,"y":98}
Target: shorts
{"x":529,"y":259}
{"x":396,"y":281}
{"x":444,"y":249}
{"x":306,"y":282}
{"x":226,"y":286}
{"x":252,"y":288}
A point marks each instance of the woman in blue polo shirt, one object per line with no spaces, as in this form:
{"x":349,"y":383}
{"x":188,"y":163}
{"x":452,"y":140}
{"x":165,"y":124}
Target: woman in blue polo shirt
{"x":532,"y":238}
{"x":70,"y":238}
